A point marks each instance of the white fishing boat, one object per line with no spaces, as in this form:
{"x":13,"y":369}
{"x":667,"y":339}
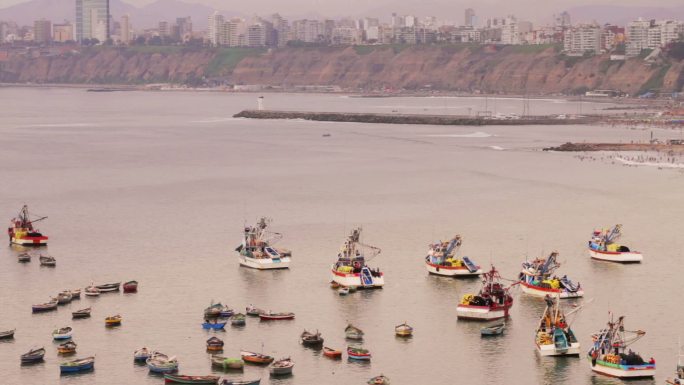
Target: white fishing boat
{"x":22,"y":232}
{"x":679,"y":374}
{"x":492,"y":302}
{"x":442,"y":260}
{"x":603,"y":246}
{"x":536,"y":278}
{"x":351,"y":270}
{"x":553,"y":336}
{"x":257,"y":251}
{"x":609,"y":354}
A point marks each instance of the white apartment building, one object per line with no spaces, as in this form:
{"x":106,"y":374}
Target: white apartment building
{"x":581,"y":39}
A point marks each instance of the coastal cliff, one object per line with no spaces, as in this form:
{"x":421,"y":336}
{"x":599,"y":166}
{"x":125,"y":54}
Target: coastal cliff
{"x":534,"y":70}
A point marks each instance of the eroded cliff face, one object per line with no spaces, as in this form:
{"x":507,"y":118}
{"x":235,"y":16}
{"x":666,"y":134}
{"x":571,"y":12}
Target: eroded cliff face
{"x":512,"y":69}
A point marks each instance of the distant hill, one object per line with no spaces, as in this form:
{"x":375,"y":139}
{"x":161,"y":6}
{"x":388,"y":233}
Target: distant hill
{"x":141,"y":17}
{"x":622,"y":14}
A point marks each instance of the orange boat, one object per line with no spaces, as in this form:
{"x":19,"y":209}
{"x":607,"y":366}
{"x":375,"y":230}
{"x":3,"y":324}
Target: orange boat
{"x":256,"y":358}
{"x":331,"y":353}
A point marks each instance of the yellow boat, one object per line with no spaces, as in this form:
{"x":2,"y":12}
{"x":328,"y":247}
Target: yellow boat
{"x":403,"y":330}
{"x":114,"y":320}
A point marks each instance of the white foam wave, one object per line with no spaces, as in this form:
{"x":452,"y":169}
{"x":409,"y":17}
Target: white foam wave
{"x":478,"y":134}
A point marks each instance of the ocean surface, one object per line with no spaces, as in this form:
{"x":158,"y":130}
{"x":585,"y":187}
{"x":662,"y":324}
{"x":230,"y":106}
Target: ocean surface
{"x":156,"y":187}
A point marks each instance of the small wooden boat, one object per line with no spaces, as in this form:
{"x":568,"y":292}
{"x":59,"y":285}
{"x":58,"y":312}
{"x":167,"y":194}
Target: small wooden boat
{"x":282,"y":367}
{"x":493,"y":330}
{"x":6,"y":335}
{"x":344,"y":290}
{"x":160,"y":363}
{"x":334,"y":285}
{"x":379,"y":380}
{"x":142,"y":354}
{"x":109,"y":287}
{"x":64,"y":298}
{"x":75,"y":294}
{"x":62,"y":333}
{"x":256,"y":358}
{"x":331,"y":353}
{"x":214,"y":344}
{"x":183,"y":379}
{"x":358,"y":354}
{"x":114,"y":320}
{"x":226,"y":312}
{"x":92,"y":291}
{"x":82,"y":313}
{"x":311,"y":339}
{"x":33,"y":355}
{"x":47,"y":260}
{"x":237,"y":319}
{"x":240,"y":382}
{"x":253,"y":311}
{"x":351,"y":332}
{"x":48,"y":306}
{"x":77,"y":365}
{"x":213,"y":325}
{"x":227,"y":362}
{"x":270,"y":316}
{"x":130,"y":287}
{"x":24,"y":257}
{"x":214,"y":310}
{"x":403,"y":330}
{"x":68,"y":347}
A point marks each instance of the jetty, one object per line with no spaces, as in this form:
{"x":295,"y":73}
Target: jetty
{"x":424,"y":119}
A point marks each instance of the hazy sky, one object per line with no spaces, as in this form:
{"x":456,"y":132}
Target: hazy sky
{"x":444,"y":9}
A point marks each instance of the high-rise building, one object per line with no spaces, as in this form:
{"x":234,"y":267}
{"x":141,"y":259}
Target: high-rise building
{"x":216,"y":22}
{"x":184,"y":25}
{"x":92,"y":20}
{"x":637,"y":36}
{"x":126,"y":35}
{"x":42,"y":31}
{"x":582,"y":39}
{"x":470,"y":17}
{"x":62,"y":33}
{"x":164,"y":29}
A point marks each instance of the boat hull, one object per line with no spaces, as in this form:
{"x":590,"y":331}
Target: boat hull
{"x":624,"y":371}
{"x":265,"y":263}
{"x":451,"y":271}
{"x":354,"y":280}
{"x":281,"y":371}
{"x":543,"y":292}
{"x":617,"y":256}
{"x":480,"y":313}
{"x":29,"y":241}
{"x":550,"y":350}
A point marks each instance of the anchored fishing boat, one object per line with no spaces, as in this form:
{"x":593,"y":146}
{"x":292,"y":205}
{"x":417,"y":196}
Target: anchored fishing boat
{"x":379,"y":380}
{"x":214,"y":344}
{"x":679,"y":374}
{"x":68,"y":347}
{"x":442,"y":260}
{"x":602,"y":246}
{"x":351,"y":332}
{"x":114,"y":320}
{"x":92,"y":291}
{"x":7,"y":334}
{"x":48,"y":306}
{"x":403,"y":330}
{"x":253,"y":311}
{"x":24,"y":257}
{"x":142,"y":354}
{"x":214,"y":310}
{"x":109,"y":287}
{"x":64,"y":298}
{"x":82,"y":313}
{"x":213,"y":325}
{"x":75,"y":294}
{"x":226,"y":381}
{"x":493,"y":330}
{"x":33,"y":355}
{"x":311,"y":339}
{"x":184,"y":379}
{"x":609,"y":356}
{"x":351,"y":270}
{"x":227,"y":363}
{"x":161,"y":363}
{"x":130,"y":287}
{"x":22,"y":232}
{"x":62,"y":333}
{"x":271,"y":316}
{"x":226,"y":312}
{"x":332,"y":353}
{"x":282,"y":367}
{"x":257,"y":251}
{"x":47,"y":260}
{"x":536,"y":278}
{"x":77,"y":365}
{"x":553,"y":336}
{"x":357,"y":353}
{"x":256,"y":358}
{"x":492,"y":302}
{"x":238,"y":319}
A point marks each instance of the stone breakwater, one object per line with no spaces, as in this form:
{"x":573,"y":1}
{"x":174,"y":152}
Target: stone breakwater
{"x":582,"y":147}
{"x":445,"y":120}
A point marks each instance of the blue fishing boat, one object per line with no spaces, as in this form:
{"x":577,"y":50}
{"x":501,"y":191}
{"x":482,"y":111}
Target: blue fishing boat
{"x":77,"y":365}
{"x":214,"y":325}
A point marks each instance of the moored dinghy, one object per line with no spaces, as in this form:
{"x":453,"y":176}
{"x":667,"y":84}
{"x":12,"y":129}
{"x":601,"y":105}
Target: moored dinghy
{"x":282,"y":367}
{"x":184,"y":379}
{"x":62,"y":333}
{"x":351,"y":332}
{"x":379,"y":380}
{"x":240,"y":382}
{"x":602,"y":246}
{"x":493,"y":330}
{"x":114,"y":320}
{"x":68,"y":347}
{"x":48,"y":306}
{"x":130,"y":287}
{"x":253,"y":311}
{"x":226,"y":312}
{"x":358,"y":353}
{"x":161,"y":363}
{"x":238,"y":319}
{"x":64,"y":298}
{"x":142,"y":354}
{"x":609,"y":356}
{"x":109,"y":287}
{"x":271,"y":316}
{"x":33,"y":355}
{"x":8,"y":334}
{"x":403,"y":330}
{"x":256,"y":358}
{"x":214,"y":310}
{"x":82,"y":313}
{"x":311,"y":339}
{"x":227,"y":362}
{"x":75,"y":294}
{"x":332,"y":353}
{"x":213,"y":325}
{"x":47,"y":260}
{"x":214,"y":344}
{"x":92,"y":291}
{"x":77,"y":365}
{"x":24,"y":257}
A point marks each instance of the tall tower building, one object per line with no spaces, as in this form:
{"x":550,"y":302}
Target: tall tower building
{"x":125,"y":29}
{"x":469,"y":17}
{"x":42,"y":31}
{"x":92,"y":20}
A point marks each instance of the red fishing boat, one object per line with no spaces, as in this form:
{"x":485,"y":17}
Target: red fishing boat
{"x":130,"y":287}
{"x":492,"y":302}
{"x":22,"y":232}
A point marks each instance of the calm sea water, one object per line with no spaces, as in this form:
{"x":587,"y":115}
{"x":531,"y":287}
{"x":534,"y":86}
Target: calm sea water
{"x":157,"y":186}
